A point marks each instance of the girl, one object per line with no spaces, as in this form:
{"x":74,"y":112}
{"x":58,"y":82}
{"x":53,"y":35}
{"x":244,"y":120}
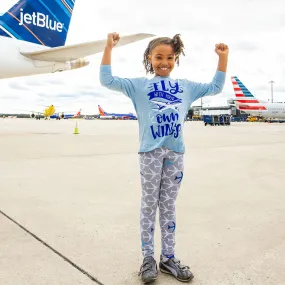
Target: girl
{"x":161,"y":104}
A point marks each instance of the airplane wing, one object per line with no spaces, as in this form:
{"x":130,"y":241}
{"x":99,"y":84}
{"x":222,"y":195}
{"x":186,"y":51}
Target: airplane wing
{"x":76,"y":51}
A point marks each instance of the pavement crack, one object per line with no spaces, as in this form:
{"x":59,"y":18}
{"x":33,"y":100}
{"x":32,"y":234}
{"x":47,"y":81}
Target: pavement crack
{"x":94,"y":279}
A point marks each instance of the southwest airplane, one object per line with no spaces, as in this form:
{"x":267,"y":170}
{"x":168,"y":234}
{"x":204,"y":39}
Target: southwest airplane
{"x":247,"y":103}
{"x":64,"y":116}
{"x":105,"y":115}
{"x":33,"y":35}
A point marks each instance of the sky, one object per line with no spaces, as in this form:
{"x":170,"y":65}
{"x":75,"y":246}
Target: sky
{"x":253,"y":29}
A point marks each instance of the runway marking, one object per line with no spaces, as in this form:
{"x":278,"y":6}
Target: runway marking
{"x":94,"y":279}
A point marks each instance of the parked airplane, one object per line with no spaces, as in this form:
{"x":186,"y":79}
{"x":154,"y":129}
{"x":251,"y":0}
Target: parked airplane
{"x":33,"y":35}
{"x":105,"y":115}
{"x":50,"y":113}
{"x":47,"y":113}
{"x":246,"y":102}
{"x":64,"y":116}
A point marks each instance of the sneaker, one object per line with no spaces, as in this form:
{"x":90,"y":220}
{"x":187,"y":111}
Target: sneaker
{"x":148,"y":270}
{"x":173,"y":267}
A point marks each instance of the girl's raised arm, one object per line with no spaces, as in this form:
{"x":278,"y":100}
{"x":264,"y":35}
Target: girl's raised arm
{"x":124,"y":85}
{"x":112,"y":40}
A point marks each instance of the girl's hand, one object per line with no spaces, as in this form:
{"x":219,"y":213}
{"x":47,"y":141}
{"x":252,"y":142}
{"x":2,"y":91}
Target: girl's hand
{"x":112,"y":40}
{"x":222,"y":49}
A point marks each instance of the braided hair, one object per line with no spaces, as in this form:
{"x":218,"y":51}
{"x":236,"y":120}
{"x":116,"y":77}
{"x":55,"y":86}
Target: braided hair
{"x":175,"y":42}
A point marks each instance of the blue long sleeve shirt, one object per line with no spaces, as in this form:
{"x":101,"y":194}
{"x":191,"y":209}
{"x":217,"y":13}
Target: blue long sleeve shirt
{"x":161,"y":104}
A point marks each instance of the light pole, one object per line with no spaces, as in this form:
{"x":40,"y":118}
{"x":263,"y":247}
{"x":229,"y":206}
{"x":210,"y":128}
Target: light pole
{"x":271,"y":82}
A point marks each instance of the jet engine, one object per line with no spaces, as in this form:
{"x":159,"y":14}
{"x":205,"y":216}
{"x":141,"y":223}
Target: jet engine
{"x":81,"y":62}
{"x":74,"y":64}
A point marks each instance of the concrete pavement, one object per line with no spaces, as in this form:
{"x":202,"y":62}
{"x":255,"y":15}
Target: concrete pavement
{"x":81,"y":195}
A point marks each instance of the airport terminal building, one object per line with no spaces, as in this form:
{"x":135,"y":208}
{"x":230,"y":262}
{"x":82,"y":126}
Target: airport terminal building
{"x":229,"y":109}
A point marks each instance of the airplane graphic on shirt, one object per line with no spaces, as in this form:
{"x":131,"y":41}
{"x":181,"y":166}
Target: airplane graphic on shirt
{"x":167,"y":105}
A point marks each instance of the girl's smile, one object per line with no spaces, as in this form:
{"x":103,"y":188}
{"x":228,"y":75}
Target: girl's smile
{"x":162,"y":59}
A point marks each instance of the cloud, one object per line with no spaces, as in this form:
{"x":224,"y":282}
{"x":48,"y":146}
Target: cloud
{"x":90,"y":93}
{"x":10,"y":97}
{"x":245,"y":46}
{"x":122,"y":59}
{"x":17,"y":86}
{"x":65,"y":96}
{"x":34,"y":82}
{"x":280,"y":89}
{"x":253,"y":29}
{"x":46,"y":82}
{"x":70,"y":94}
{"x":41,"y":94}
{"x":54,"y":81}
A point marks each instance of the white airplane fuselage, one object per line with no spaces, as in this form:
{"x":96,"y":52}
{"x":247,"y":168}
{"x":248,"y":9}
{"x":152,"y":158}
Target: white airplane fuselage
{"x":273,"y":110}
{"x":245,"y":101}
{"x":13,"y":64}
{"x":33,"y":37}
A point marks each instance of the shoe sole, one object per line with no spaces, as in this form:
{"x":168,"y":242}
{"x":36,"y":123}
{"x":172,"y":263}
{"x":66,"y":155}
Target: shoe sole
{"x":150,"y":281}
{"x":182,"y":280}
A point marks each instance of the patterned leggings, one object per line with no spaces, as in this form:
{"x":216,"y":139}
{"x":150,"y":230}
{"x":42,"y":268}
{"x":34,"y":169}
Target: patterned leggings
{"x":161,"y":174}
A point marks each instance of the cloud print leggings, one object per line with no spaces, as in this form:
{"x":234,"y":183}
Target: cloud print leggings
{"x":161,"y":175}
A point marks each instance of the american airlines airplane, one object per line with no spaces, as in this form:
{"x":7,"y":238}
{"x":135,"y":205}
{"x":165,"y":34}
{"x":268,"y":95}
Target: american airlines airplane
{"x":246,"y":102}
{"x":33,"y":35}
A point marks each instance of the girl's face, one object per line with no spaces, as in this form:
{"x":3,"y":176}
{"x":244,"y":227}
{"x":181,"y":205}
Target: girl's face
{"x":162,"y":59}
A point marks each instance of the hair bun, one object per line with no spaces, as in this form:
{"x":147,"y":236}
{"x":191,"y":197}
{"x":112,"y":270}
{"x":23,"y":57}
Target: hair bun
{"x":176,"y":39}
{"x":178,"y":44}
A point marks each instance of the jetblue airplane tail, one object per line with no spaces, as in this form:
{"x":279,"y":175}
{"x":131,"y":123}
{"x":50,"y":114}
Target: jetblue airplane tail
{"x":44,"y":22}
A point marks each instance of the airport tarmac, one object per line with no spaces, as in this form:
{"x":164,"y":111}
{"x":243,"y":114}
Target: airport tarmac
{"x":70,"y":204}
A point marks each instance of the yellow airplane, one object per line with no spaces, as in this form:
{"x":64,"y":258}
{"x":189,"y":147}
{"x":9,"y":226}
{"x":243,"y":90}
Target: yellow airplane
{"x":50,"y":113}
{"x":47,"y":113}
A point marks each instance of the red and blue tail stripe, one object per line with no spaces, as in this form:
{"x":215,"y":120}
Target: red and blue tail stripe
{"x":244,"y":98}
